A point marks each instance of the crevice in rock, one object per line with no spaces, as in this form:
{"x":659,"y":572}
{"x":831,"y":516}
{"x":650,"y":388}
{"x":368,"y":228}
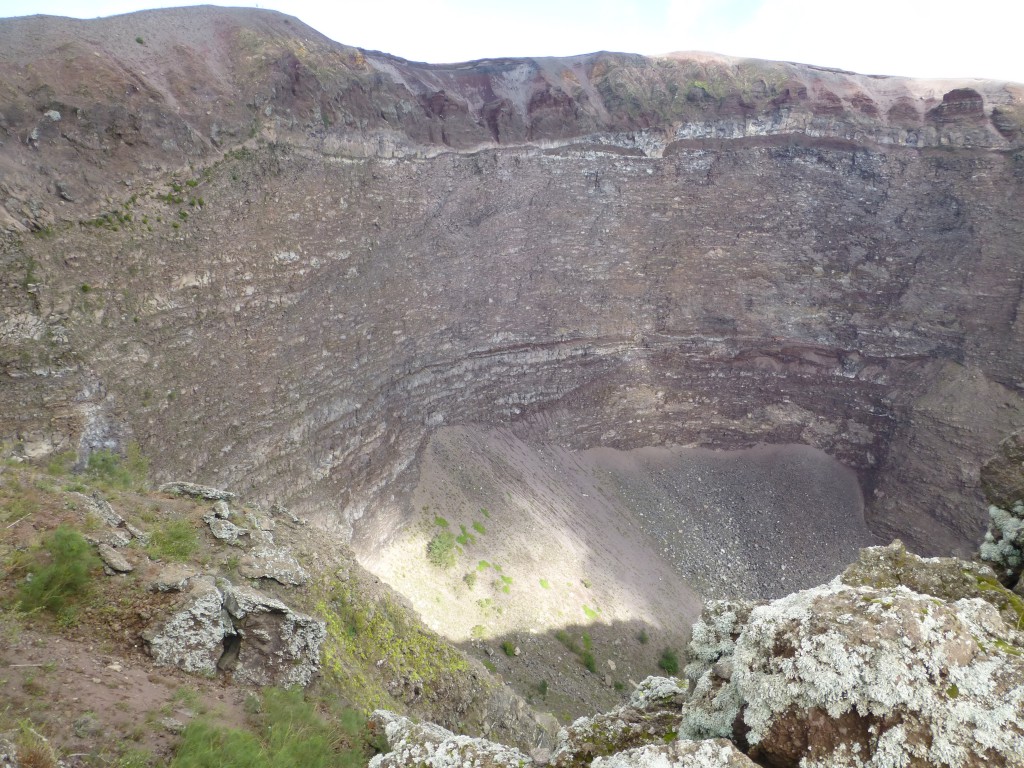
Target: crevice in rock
{"x":232,"y":648}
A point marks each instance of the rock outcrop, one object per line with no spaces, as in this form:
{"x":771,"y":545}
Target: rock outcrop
{"x":220,"y":626}
{"x":1002,"y":479}
{"x":900,"y":662}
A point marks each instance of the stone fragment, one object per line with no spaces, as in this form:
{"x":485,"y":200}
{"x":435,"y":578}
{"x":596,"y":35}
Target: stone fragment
{"x":180,"y":488}
{"x":276,"y":645}
{"x":277,"y":564}
{"x":192,"y":638}
{"x":172,"y":578}
{"x":138,"y":533}
{"x":225,"y":530}
{"x":426,"y":744}
{"x":238,"y":629}
{"x":222,"y":510}
{"x":114,"y":560}
{"x":651,"y":715}
{"x":716,"y":753}
{"x":101,"y":508}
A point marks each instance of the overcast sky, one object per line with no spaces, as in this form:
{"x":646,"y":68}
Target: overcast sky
{"x":919,"y":38}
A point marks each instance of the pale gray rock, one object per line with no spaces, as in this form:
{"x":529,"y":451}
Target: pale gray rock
{"x":138,"y":533}
{"x":222,"y":510}
{"x":431,"y":746}
{"x":845,"y":677}
{"x":238,"y":629}
{"x":717,"y":753}
{"x":100,"y":508}
{"x":192,"y":638}
{"x":180,"y":488}
{"x":114,"y":560}
{"x":276,"y":564}
{"x":225,"y":530}
{"x":172,"y":578}
{"x":276,"y":645}
{"x":652,"y":714}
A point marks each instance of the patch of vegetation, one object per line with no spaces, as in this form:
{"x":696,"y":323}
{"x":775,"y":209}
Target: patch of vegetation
{"x":362,"y":631}
{"x":440,"y":522}
{"x":642,"y":637}
{"x":287,"y":732}
{"x":669,"y":661}
{"x":590,"y":613}
{"x":483,"y":565}
{"x":542,"y":689}
{"x":485,"y":513}
{"x":174,"y":540}
{"x":545,"y":584}
{"x":470,"y":579}
{"x":139,"y":40}
{"x":509,"y":648}
{"x":479,"y":527}
{"x":465,"y":538}
{"x":111,"y":470}
{"x":34,"y":751}
{"x":64,"y":572}
{"x":441,"y":550}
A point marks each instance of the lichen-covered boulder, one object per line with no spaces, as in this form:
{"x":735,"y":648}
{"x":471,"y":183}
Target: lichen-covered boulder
{"x":428,"y":745}
{"x":195,"y":491}
{"x":219,"y":626}
{"x":192,"y":638}
{"x":650,"y":716}
{"x":713,"y":705}
{"x":1003,"y":546}
{"x":716,"y":753}
{"x":855,"y":676}
{"x":275,"y":645}
{"x":276,"y":564}
{"x":947,"y":578}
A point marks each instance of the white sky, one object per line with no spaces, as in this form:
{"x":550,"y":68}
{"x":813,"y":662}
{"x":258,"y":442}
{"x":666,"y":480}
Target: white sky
{"x":918,"y":38}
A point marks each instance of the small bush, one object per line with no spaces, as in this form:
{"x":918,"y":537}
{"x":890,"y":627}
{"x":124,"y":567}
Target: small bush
{"x":669,"y":662}
{"x":127,"y":472}
{"x":289,"y":733}
{"x":545,"y":584}
{"x":470,"y":579}
{"x":509,"y":648}
{"x":440,"y":522}
{"x":642,"y":637}
{"x":542,"y":688}
{"x":139,"y":40}
{"x":174,"y":540}
{"x":34,"y":751}
{"x":68,"y":574}
{"x":479,"y":527}
{"x":587,"y":657}
{"x":441,"y":550}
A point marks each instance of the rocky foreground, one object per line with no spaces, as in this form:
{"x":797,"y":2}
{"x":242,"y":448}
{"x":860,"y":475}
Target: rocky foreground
{"x":900,"y":661}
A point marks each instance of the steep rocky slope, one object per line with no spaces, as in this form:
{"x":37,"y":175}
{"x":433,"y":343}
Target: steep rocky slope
{"x":280,"y":264}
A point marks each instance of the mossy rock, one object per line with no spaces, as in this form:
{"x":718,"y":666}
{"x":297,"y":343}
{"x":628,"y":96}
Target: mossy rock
{"x":946,"y":578}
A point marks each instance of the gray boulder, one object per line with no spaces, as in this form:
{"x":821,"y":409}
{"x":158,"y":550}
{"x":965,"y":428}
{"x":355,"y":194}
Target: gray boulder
{"x":192,"y":638}
{"x":276,"y":645}
{"x":219,"y":626}
{"x":180,"y":488}
{"x":276,"y":564}
{"x":427,"y":744}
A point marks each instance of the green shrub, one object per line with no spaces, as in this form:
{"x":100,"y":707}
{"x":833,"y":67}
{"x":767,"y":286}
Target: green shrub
{"x":441,"y":550}
{"x":642,"y":637}
{"x":288,"y":733}
{"x":509,"y":648}
{"x":68,"y":573}
{"x":587,"y":657}
{"x":108,"y":468}
{"x":542,"y":688}
{"x":470,"y":579}
{"x":174,"y":540}
{"x":669,"y":661}
{"x":479,"y":527}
